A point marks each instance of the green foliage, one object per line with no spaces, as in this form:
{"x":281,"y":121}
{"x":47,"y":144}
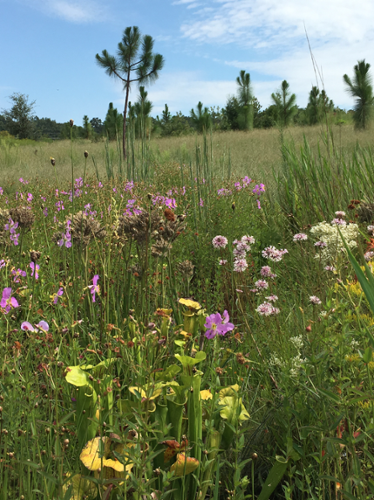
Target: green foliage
{"x":285,"y":104}
{"x":200,"y":118}
{"x":362,"y":90}
{"x":113,"y":123}
{"x":245,"y":100}
{"x":145,"y":65}
{"x":18,"y":119}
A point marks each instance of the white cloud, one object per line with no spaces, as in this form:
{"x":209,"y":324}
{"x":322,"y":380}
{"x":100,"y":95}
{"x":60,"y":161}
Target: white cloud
{"x":270,"y":23}
{"x":74,"y":11}
{"x":273,"y":33}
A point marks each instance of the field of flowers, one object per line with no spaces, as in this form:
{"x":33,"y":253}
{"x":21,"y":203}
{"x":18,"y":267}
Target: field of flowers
{"x":183,"y":332}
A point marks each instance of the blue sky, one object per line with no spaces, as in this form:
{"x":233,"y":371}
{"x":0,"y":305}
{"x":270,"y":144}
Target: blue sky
{"x":49,"y":47}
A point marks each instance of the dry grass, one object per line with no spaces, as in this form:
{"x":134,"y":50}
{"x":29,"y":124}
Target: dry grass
{"x":253,"y":153}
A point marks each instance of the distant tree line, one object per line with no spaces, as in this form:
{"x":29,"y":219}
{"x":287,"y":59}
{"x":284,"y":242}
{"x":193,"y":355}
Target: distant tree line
{"x":242,"y":112}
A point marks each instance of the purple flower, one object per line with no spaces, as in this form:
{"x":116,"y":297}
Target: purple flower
{"x":224,"y":192}
{"x":258,"y":204}
{"x":222,"y":262}
{"x":272,"y":298}
{"x":27,"y":327}
{"x":32,"y":265}
{"x":30,"y":197}
{"x":45,"y":212}
{"x":258,"y":189}
{"x":17,"y":274}
{"x":201,"y":202}
{"x":216,"y":325}
{"x":219,"y":242}
{"x":1,"y":191}
{"x":246,"y":181}
{"x":8,"y":302}
{"x":57,"y":295}
{"x":94,"y":287}
{"x":2,"y":263}
{"x":43,"y":325}
{"x":321,"y":244}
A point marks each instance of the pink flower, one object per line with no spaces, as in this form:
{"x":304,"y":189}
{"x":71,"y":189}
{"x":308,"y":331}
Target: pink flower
{"x":315,"y":300}
{"x":338,"y":222}
{"x":340,"y":213}
{"x":216,"y":325}
{"x":8,"y":302}
{"x":219,"y":242}
{"x":272,"y":298}
{"x":95,"y":288}
{"x":261,"y":285}
{"x":300,"y":237}
{"x":266,"y":272}
{"x":240,"y":265}
{"x":267,"y":309}
{"x":222,"y":262}
{"x":57,"y":295}
{"x":273,"y":253}
{"x":32,"y":265}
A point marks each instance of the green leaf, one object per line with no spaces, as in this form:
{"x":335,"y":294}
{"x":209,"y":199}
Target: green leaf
{"x":330,"y":395}
{"x":368,"y":355}
{"x":274,"y":477}
{"x":188,"y":362}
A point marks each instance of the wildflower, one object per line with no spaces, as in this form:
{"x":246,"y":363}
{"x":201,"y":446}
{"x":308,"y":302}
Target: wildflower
{"x":94,"y":287}
{"x":261,"y":285}
{"x":57,"y":295}
{"x":32,"y":266}
{"x":224,"y":192}
{"x":272,"y":298}
{"x":239,"y":252}
{"x":222,"y":262}
{"x":219,"y":242}
{"x":273,"y":253}
{"x":266,"y":272}
{"x":321,"y":244}
{"x":315,"y":300}
{"x":27,"y":327}
{"x":246,"y":181}
{"x":1,"y":191}
{"x":17,"y":274}
{"x":330,"y":268}
{"x":258,"y":189}
{"x":369,"y":228}
{"x":201,"y":202}
{"x":8,"y":302}
{"x":369,"y":256}
{"x":267,"y":309}
{"x":216,"y":325}
{"x":338,"y":222}
{"x":340,"y":214}
{"x":300,"y":237}
{"x":43,"y":325}
{"x":30,"y":197}
{"x":248,"y":240}
{"x":2,"y":263}
{"x":331,"y":240}
{"x":240,"y":265}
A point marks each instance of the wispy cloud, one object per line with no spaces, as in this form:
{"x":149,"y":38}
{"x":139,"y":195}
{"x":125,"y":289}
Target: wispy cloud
{"x":74,"y":11}
{"x":269,"y":23}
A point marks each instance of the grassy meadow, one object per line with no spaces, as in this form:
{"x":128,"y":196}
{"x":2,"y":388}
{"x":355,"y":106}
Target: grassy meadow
{"x":194,"y":322}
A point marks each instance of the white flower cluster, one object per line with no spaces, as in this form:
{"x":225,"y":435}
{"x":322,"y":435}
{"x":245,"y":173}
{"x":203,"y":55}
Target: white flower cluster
{"x":329,"y":234}
{"x":297,"y":342}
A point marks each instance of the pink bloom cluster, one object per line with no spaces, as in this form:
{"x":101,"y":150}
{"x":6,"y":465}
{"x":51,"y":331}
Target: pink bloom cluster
{"x":273,"y":254}
{"x":266,"y":272}
{"x":267,"y":309}
{"x":300,"y":237}
{"x":219,"y":242}
{"x":242,"y":246}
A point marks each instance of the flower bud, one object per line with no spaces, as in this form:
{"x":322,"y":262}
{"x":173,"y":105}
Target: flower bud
{"x":71,"y":122}
{"x":86,"y":154}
